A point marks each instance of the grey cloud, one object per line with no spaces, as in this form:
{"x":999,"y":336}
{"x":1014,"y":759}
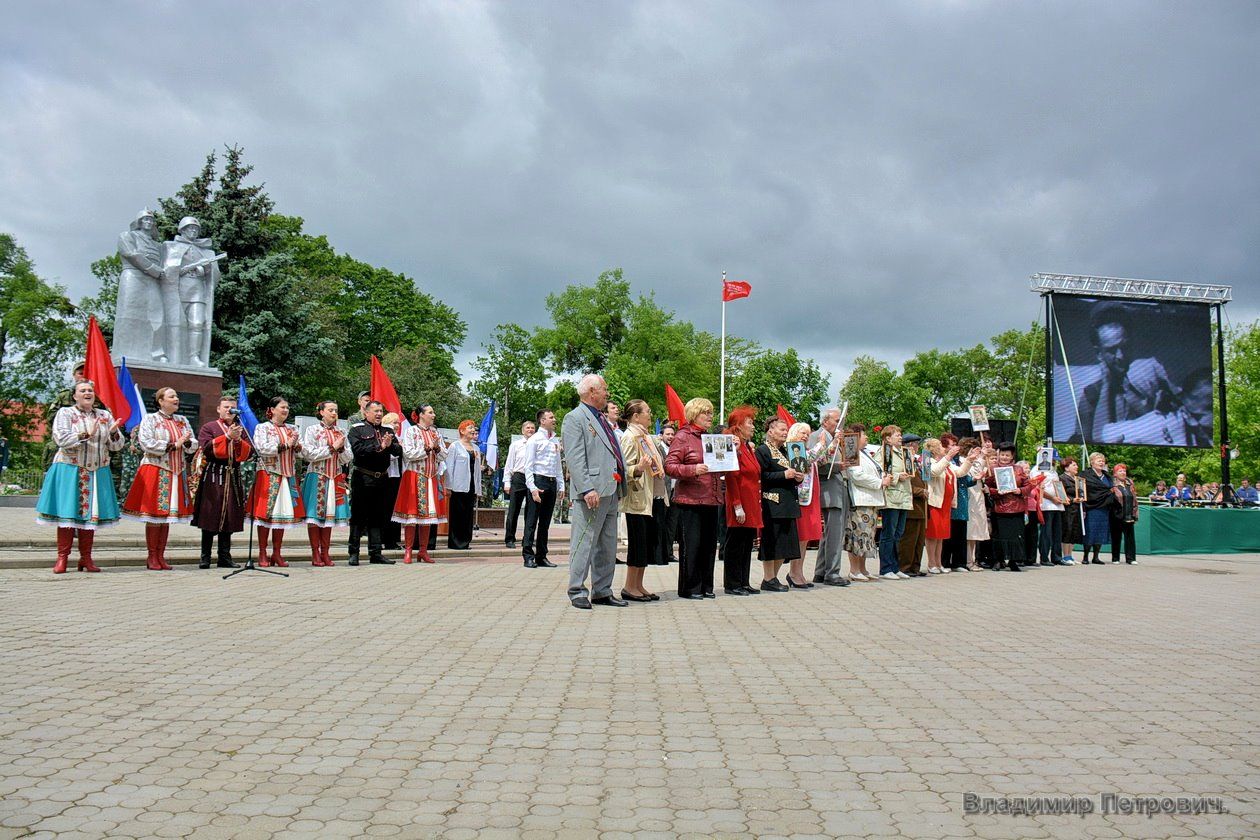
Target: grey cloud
{"x":886,"y":175}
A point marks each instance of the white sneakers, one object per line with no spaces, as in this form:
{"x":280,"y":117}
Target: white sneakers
{"x":859,"y":578}
{"x":890,"y":576}
{"x":902,"y":576}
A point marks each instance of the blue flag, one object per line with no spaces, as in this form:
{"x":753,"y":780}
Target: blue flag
{"x":131,"y":392}
{"x":658,"y":426}
{"x":488,"y":438}
{"x":248,"y":420}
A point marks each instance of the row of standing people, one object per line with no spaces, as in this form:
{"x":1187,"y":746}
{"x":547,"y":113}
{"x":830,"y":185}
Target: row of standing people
{"x":345,"y":484}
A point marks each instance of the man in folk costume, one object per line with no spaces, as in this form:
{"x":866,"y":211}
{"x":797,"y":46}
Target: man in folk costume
{"x":373,"y":446}
{"x":78,"y":493}
{"x":421,"y":501}
{"x":275,"y":505}
{"x":324,"y":492}
{"x":219,"y":489}
{"x":159,"y":492}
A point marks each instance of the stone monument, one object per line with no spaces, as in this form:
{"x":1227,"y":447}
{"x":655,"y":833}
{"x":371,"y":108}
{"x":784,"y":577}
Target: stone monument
{"x":165,"y":311}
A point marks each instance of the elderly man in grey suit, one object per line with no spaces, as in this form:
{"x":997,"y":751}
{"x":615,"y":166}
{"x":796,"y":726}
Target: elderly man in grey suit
{"x":596,"y":476}
{"x":835,"y":503}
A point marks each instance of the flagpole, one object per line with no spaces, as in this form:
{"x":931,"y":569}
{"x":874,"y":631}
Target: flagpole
{"x":721,"y":418}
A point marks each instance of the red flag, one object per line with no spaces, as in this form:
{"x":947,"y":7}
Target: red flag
{"x":382,"y":390}
{"x":674,"y":405}
{"x":735,"y":289}
{"x":99,"y":368}
{"x":786,"y":416}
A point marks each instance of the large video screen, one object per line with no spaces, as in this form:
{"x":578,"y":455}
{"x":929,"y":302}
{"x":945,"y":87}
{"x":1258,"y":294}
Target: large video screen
{"x":1136,"y":372}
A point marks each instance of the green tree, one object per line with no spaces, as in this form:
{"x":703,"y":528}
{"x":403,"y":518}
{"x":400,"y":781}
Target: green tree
{"x":878,"y":396}
{"x":772,"y":378}
{"x":588,"y":324}
{"x":514,"y":374}
{"x":104,"y":304}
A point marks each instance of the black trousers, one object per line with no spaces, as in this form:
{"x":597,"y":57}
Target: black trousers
{"x":670,"y":534}
{"x":1030,"y":539}
{"x":370,"y":508}
{"x":699,"y":526}
{"x":664,"y":540}
{"x":462,"y":508}
{"x":737,"y":557}
{"x":518,"y":497}
{"x":954,"y":549}
{"x":538,"y":518}
{"x":1122,"y":531}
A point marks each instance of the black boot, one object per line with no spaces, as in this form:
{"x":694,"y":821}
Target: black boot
{"x":375,"y":547}
{"x":207,"y":543}
{"x":356,"y":539}
{"x":225,"y":552}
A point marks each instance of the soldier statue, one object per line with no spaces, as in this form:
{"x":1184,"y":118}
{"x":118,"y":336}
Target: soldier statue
{"x":138,"y":332}
{"x":190,"y":274}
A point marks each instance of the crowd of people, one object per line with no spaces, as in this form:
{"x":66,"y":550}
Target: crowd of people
{"x":909,"y":506}
{"x":1182,"y":492}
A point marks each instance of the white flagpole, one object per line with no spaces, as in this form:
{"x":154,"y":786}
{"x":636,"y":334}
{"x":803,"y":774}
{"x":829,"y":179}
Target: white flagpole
{"x":721,"y":418}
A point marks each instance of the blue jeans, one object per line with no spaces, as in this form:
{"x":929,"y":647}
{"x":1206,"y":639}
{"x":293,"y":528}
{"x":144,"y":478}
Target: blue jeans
{"x":894,"y":526}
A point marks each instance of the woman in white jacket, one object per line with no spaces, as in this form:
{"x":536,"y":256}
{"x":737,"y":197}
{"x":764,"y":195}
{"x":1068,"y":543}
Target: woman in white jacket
{"x":866,"y":486}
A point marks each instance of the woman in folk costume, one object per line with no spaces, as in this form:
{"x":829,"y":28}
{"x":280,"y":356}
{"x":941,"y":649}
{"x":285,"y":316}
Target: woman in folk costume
{"x":78,"y":493}
{"x":159,"y":492}
{"x":324,"y":492}
{"x":421,"y":502}
{"x":274,"y":502}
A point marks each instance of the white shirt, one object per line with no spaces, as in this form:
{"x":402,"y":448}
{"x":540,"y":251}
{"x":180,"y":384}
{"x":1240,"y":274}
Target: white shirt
{"x":515,"y":462}
{"x":542,"y":457}
{"x":1052,"y":485}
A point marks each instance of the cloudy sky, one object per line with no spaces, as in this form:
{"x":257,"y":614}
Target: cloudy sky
{"x":885,"y":174}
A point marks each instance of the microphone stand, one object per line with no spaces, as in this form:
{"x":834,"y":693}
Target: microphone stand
{"x":249,"y":557}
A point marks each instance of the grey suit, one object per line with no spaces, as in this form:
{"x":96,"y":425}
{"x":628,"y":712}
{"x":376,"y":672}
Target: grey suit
{"x":591,"y":462}
{"x":835,"y":510}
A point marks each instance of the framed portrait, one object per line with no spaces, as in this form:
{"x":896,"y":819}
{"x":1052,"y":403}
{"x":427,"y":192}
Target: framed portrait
{"x":1004,"y":477}
{"x":979,"y":418}
{"x":798,"y":456}
{"x":852,"y":452}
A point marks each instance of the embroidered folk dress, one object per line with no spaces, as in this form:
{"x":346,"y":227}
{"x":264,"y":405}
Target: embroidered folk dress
{"x":78,"y":489}
{"x":422,"y":490}
{"x":159,"y":492}
{"x":274,"y":501}
{"x":324,"y":492}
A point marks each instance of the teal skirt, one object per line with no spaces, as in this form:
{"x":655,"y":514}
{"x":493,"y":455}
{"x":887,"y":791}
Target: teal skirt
{"x":76,"y":498}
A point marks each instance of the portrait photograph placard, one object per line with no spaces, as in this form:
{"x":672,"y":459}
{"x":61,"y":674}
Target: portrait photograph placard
{"x":979,"y":418}
{"x":721,"y":452}
{"x":1004,"y":477}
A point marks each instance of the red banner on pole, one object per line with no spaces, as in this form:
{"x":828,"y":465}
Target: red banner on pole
{"x":735,"y":289}
{"x":382,"y":390}
{"x":674,"y":405}
{"x":99,"y":368}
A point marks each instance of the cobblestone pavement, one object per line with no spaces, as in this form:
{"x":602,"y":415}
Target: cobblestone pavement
{"x":471,"y":700}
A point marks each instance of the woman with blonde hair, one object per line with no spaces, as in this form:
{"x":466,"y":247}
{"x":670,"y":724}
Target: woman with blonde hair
{"x":942,"y":488}
{"x":644,"y":498}
{"x":699,"y":497}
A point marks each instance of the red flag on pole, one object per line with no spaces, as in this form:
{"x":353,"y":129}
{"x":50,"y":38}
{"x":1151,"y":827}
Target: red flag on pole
{"x":674,"y":405}
{"x":735,"y":289}
{"x":99,"y":368}
{"x":786,"y":416}
{"x":382,"y":390}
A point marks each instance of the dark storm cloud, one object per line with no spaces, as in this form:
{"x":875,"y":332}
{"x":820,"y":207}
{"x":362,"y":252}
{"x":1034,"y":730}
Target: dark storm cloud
{"x":886,"y":175}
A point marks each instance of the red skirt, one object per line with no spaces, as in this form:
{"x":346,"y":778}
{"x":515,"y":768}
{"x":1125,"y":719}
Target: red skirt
{"x":158,"y":497}
{"x":938,"y":518}
{"x":420,"y":500}
{"x":275,"y":501}
{"x":809,"y":526}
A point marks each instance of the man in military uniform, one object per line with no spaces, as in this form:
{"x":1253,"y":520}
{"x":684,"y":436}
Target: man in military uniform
{"x":190,"y":275}
{"x":357,"y":417}
{"x":138,"y":331}
{"x":370,"y":506}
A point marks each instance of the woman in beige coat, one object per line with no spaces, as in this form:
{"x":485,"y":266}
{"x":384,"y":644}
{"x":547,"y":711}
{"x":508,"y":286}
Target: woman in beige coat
{"x":645,"y":497}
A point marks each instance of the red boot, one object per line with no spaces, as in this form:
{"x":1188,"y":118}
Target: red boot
{"x":276,"y":539}
{"x":325,"y":540}
{"x":151,"y":542}
{"x":262,"y":546}
{"x":86,"y":538}
{"x":65,"y":539}
{"x":163,"y":534}
{"x":409,"y":537}
{"x":313,"y":536}
{"x":424,"y":544}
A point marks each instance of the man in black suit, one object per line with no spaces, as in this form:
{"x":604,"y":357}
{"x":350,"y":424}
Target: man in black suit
{"x":372,"y":446}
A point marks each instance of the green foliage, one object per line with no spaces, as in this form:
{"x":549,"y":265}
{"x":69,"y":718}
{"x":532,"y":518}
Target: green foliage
{"x":514,"y":374}
{"x":40,"y":334}
{"x":588,"y":323}
{"x":104,"y":305}
{"x":772,"y":378}
{"x":878,"y":396}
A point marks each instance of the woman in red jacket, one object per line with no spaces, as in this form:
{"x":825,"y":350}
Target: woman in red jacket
{"x":743,"y":505}
{"x":698,"y":496}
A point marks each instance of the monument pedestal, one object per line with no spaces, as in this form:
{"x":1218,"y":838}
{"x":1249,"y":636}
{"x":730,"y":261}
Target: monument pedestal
{"x":199,"y":388}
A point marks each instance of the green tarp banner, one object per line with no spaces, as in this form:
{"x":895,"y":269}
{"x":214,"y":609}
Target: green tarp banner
{"x":1180,"y":530}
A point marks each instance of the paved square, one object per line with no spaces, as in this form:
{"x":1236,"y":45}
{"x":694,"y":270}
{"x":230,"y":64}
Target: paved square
{"x":469,"y":699}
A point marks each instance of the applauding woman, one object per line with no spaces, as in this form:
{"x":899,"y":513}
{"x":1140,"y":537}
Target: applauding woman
{"x":324,"y":492}
{"x":78,"y":493}
{"x":274,"y":501}
{"x":698,"y":494}
{"x":463,"y":481}
{"x":421,"y":501}
{"x":159,"y":492}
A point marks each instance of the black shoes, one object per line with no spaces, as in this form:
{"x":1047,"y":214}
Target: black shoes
{"x":1097,"y":562}
{"x":384,"y":561}
{"x":531,"y":563}
{"x":708,"y":595}
{"x":609,"y":601}
{"x":729,"y":592}
{"x":353,"y":561}
{"x":226,"y":563}
{"x":204,"y":564}
{"x":582,"y":603}
{"x":773,"y":585}
{"x":843,"y":581}
{"x":544,"y":563}
{"x":794,"y":585}
{"x":509,"y":544}
{"x":695,"y":597}
{"x":1014,"y":567}
{"x":642,"y":599}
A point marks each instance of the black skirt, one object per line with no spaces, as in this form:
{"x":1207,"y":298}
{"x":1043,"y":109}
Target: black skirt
{"x":1072,"y":531}
{"x":641,"y":533}
{"x":779,"y":540}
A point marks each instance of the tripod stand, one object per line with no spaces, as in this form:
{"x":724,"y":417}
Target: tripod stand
{"x":249,"y":560}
